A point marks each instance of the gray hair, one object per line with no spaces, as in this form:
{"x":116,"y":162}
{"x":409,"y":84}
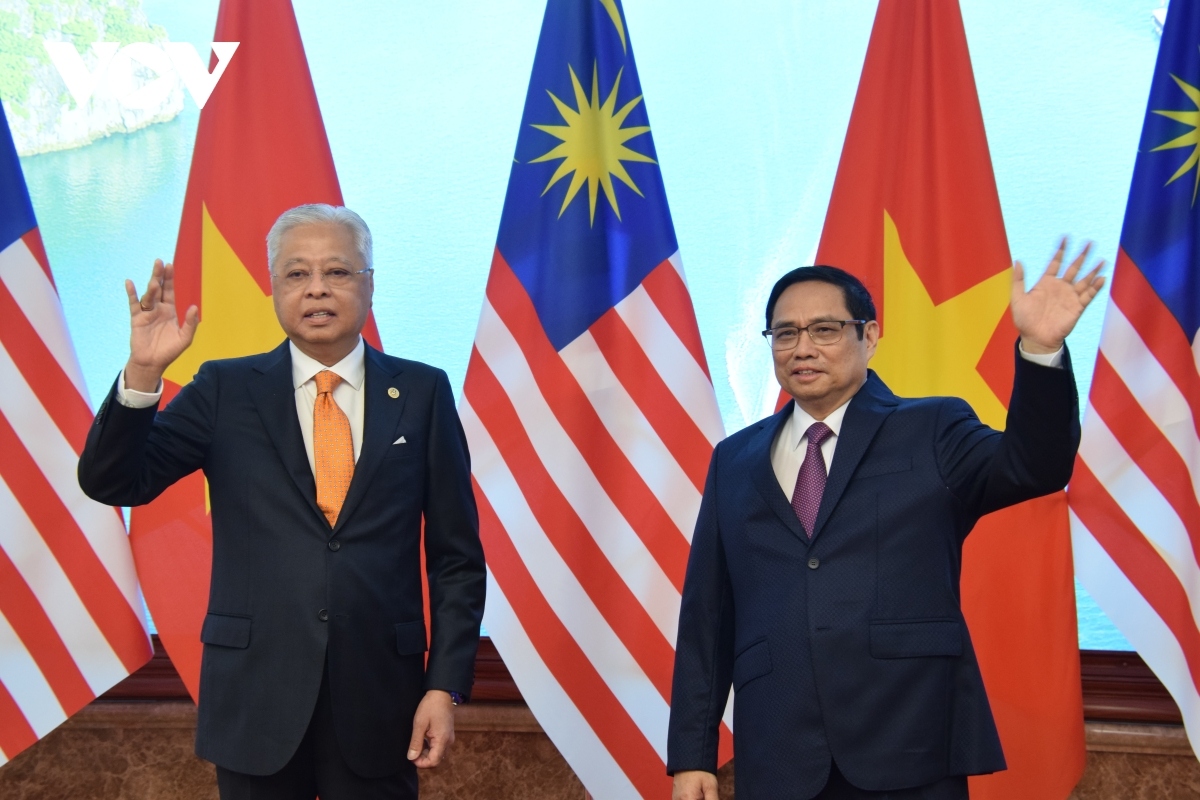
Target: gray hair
{"x":320,"y":213}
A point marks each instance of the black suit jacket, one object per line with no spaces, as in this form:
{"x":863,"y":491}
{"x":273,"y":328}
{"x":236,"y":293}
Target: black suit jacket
{"x":853,"y":646}
{"x":289,"y":592}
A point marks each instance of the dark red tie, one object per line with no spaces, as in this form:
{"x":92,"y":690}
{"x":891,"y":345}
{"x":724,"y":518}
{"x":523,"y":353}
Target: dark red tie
{"x":810,"y":483}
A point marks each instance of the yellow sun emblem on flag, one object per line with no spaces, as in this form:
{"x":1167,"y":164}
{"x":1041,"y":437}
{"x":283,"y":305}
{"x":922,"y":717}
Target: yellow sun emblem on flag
{"x":593,"y":144}
{"x":1190,"y":139}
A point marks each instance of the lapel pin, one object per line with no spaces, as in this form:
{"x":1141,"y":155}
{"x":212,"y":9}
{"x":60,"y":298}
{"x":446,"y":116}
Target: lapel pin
{"x":393,"y":392}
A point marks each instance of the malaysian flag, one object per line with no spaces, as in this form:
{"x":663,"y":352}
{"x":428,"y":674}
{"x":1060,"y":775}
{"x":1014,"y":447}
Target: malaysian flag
{"x":1135,"y":515}
{"x":70,"y":619}
{"x":590,"y":412}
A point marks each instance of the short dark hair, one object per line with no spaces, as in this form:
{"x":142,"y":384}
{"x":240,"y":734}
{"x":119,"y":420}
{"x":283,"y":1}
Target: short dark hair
{"x":858,"y":299}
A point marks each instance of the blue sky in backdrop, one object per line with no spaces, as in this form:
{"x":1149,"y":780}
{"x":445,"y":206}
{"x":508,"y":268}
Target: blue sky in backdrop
{"x":748,"y":104}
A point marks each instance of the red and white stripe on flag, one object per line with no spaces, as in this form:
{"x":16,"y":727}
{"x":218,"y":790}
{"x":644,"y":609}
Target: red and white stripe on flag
{"x":70,"y":616}
{"x":589,"y":463}
{"x":1135,"y":519}
{"x":1135,"y":494}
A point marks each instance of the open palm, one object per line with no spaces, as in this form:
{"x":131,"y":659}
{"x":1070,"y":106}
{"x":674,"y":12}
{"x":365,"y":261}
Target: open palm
{"x":156,"y":338}
{"x":1046,"y":313}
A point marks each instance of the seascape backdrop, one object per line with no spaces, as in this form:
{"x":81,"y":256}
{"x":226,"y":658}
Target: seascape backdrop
{"x":748,"y":106}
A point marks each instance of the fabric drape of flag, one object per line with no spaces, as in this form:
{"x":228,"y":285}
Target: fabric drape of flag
{"x":1135,"y":512}
{"x":590,"y":412}
{"x":915,"y":214}
{"x":260,"y":150}
{"x":71,"y":621}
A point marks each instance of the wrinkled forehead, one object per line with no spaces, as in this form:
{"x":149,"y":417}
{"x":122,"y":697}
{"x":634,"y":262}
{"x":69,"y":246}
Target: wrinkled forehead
{"x":317,"y":244}
{"x":329,"y":261}
{"x":809,"y":301}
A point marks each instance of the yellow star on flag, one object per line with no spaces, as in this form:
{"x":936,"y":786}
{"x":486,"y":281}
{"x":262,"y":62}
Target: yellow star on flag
{"x":1190,"y":139}
{"x":929,"y":349}
{"x":592,"y":143}
{"x":237,"y":319}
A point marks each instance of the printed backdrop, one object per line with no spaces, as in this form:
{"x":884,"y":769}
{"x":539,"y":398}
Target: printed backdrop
{"x":422,"y":102}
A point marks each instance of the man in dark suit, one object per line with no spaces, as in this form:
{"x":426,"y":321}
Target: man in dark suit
{"x":323,"y":457}
{"x":828,"y":596}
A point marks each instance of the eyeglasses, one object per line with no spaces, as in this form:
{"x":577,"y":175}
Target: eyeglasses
{"x":296,"y":278}
{"x":822,"y":333}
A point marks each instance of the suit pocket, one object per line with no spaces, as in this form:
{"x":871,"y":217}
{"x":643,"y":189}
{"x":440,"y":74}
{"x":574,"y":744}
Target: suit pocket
{"x":406,"y":449}
{"x":883,"y":467}
{"x":225,"y":630}
{"x":917,"y":638}
{"x":751,"y":663}
{"x":410,"y":637}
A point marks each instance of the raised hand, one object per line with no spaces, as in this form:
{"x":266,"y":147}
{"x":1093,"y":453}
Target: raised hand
{"x":156,"y":338}
{"x":1048,"y":312}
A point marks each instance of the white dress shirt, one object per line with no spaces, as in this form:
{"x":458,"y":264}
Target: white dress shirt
{"x":791,"y":443}
{"x":348,"y":394}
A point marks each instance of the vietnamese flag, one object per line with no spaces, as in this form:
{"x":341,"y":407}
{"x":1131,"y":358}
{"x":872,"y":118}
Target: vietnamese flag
{"x":915,"y":214}
{"x":260,"y":150}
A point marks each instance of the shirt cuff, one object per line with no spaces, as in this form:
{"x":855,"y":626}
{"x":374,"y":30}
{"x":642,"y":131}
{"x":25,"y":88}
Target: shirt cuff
{"x":1054,"y":359}
{"x":135,"y":399}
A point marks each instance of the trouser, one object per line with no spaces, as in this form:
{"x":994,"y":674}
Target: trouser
{"x":838,"y":788}
{"x":318,"y":769}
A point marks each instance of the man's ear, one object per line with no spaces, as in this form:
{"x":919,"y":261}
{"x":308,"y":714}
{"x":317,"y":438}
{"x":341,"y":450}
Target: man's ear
{"x":871,"y":337}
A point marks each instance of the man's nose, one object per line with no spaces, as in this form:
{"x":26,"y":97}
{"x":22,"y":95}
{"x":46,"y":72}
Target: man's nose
{"x":316,"y":285}
{"x":805,"y":348}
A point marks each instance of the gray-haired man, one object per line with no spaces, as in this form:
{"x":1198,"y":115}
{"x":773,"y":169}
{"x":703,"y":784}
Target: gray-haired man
{"x":323,"y":456}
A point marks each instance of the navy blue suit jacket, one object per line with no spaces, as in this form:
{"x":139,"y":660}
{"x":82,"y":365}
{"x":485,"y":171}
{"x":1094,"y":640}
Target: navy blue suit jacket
{"x":853,"y":646}
{"x":277,"y":564}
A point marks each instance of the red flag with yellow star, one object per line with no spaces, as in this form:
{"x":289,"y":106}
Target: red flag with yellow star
{"x":260,"y":150}
{"x":915,"y":215}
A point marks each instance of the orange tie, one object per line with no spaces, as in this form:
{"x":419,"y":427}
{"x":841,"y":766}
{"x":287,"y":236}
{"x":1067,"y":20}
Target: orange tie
{"x":333,"y":448}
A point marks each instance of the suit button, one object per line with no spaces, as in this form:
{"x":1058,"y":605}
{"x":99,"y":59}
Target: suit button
{"x":335,"y":545}
{"x":323,"y":615}
{"x":813,"y":563}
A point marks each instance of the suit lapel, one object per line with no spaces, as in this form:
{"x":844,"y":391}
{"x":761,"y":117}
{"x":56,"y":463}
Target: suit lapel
{"x":381,"y":415}
{"x":275,"y":398}
{"x":763,"y":474}
{"x":867,"y":411}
